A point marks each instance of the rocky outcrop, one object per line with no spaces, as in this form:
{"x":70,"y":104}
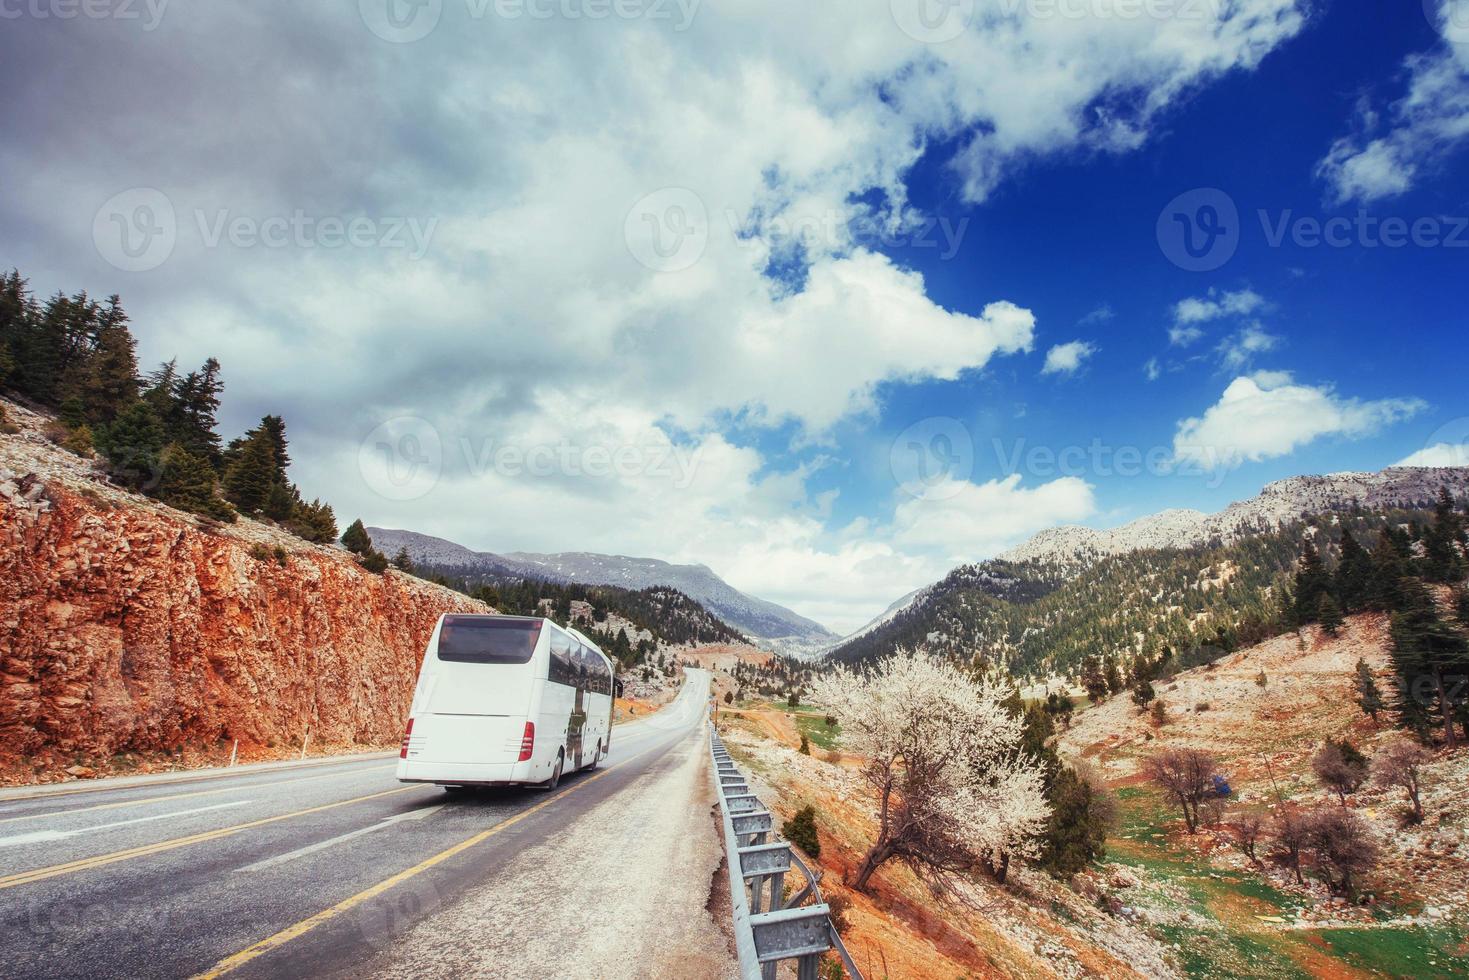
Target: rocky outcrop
{"x":125,"y":627}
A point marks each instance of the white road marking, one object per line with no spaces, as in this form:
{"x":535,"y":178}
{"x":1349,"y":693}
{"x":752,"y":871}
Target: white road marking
{"x":323,"y":845}
{"x":43,"y":836}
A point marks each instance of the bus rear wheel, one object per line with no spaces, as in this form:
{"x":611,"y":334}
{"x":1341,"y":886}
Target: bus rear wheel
{"x":555,"y":779}
{"x":596,"y":758}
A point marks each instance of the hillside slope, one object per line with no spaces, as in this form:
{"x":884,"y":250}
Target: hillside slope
{"x":756,"y":618}
{"x":127,"y":628}
{"x":1177,"y":578}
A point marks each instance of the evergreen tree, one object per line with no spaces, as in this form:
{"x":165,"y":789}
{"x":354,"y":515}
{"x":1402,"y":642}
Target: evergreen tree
{"x":110,"y":384}
{"x":250,"y":477}
{"x":1390,"y":566}
{"x":133,"y":445}
{"x":1113,"y":676}
{"x":281,"y":501}
{"x":1330,"y":615}
{"x":1082,"y":814}
{"x":314,"y":522}
{"x":188,"y":482}
{"x":1428,"y":654}
{"x":195,"y":403}
{"x":1441,"y":559}
{"x":356,"y":539}
{"x":1352,"y":581}
{"x":403,"y":561}
{"x":1368,"y":695}
{"x":1311,"y":585}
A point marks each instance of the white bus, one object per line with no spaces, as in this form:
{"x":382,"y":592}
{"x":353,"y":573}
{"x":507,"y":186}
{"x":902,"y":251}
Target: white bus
{"x":507,"y":700}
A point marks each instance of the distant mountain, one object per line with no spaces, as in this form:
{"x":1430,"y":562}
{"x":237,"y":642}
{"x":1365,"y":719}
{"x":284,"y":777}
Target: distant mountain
{"x":758,"y":619}
{"x":1177,"y":577}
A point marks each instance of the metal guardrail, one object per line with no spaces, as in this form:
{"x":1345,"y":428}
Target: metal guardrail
{"x":769,"y":927}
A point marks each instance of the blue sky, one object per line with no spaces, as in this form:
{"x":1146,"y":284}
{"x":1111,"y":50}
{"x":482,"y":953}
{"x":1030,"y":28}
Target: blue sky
{"x":573,"y":311}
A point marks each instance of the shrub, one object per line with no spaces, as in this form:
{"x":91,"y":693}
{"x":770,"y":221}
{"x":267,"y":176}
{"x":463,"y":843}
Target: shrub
{"x":1159,"y":713}
{"x":834,"y":757}
{"x":375,"y":561}
{"x":282,"y":557}
{"x":1201,"y":707}
{"x":805,"y":744}
{"x":800,"y":830}
{"x":1083,"y":811}
{"x":260,"y":552}
{"x":79,"y":441}
{"x":1340,"y":768}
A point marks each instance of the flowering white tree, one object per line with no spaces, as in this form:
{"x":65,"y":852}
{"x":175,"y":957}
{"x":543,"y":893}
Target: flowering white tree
{"x":953,"y":787}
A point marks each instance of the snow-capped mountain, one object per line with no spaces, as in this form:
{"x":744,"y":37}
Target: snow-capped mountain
{"x":773,"y":625}
{"x":951,"y":611}
{"x":1277,"y":504}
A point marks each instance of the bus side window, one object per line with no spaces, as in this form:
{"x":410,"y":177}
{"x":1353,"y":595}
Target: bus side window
{"x":562,"y":653}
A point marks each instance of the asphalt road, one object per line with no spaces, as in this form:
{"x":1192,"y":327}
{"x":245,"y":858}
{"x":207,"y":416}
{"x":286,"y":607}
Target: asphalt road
{"x":310,"y":872}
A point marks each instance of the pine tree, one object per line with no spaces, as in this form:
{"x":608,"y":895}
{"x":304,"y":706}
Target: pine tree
{"x":281,"y":501}
{"x":133,"y":445}
{"x":250,"y":477}
{"x":313,"y":522}
{"x":110,"y":384}
{"x":1390,"y":566}
{"x":195,"y":403}
{"x":1352,"y":580}
{"x":1330,"y":615}
{"x":188,"y":482}
{"x":1310,"y":585}
{"x":402,"y":560}
{"x":356,"y":539}
{"x":1368,"y":695}
{"x":1427,"y":655}
{"x":1441,"y":559}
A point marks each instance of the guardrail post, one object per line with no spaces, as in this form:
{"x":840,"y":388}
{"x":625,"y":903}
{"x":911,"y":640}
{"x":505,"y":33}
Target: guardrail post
{"x":767,"y":930}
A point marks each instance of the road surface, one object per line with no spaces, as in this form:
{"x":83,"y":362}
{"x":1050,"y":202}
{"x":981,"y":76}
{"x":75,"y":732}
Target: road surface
{"x":340,"y":870}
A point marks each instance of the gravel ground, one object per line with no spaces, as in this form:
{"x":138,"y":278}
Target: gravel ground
{"x":622,"y":893}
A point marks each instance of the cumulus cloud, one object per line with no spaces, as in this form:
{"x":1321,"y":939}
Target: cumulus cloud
{"x":1389,"y":150}
{"x":1268,"y":414}
{"x":556,"y":164}
{"x":1438,"y":454}
{"x":1068,"y":358}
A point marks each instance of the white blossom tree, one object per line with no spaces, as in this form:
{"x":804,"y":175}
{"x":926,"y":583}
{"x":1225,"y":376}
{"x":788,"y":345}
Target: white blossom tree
{"x":953,"y":787}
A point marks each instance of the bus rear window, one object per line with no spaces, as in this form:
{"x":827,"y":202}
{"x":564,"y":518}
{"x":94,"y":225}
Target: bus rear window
{"x":488,"y":639}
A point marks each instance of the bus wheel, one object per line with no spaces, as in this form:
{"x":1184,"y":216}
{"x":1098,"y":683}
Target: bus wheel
{"x":555,"y":779}
{"x":596,"y":758}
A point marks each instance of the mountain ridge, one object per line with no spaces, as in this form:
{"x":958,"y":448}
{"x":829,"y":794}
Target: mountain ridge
{"x":758,"y":618}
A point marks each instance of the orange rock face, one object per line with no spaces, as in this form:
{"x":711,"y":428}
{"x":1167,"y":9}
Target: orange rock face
{"x":128,"y":628}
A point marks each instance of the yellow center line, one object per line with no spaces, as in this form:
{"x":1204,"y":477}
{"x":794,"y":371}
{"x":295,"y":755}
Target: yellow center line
{"x":86,"y":864}
{"x":238,"y":788}
{"x":232,"y":963}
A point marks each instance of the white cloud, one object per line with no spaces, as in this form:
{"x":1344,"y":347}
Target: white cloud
{"x":529,"y":321}
{"x":1068,"y":358}
{"x":1438,"y":454}
{"x":1184,"y":336}
{"x":1268,"y":414}
{"x":1152,"y":370}
{"x":1390,"y":150}
{"x":1216,"y":304}
{"x":967,"y":521}
{"x":1240,"y":348}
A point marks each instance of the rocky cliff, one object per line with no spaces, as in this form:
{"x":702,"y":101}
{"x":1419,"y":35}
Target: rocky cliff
{"x":126,"y":627}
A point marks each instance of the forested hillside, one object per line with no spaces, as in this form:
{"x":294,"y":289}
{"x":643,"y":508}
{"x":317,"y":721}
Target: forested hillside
{"x":1035,"y":618}
{"x":672,"y":618}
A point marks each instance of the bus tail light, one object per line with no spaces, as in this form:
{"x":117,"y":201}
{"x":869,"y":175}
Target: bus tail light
{"x":403,"y":753}
{"x":527,"y":742}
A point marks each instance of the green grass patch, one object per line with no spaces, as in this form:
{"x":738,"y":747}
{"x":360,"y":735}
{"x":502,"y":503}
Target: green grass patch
{"x":1409,"y":951}
{"x":813,"y":725}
